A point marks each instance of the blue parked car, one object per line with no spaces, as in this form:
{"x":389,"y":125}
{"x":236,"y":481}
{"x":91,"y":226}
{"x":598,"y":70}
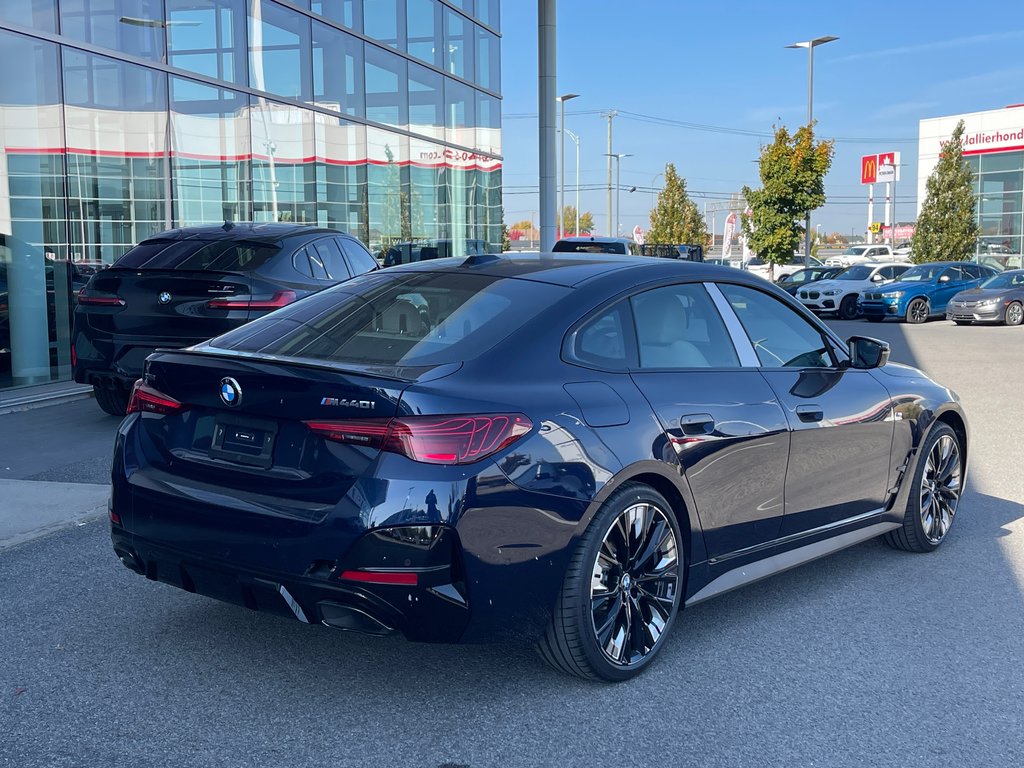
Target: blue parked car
{"x":923,"y":291}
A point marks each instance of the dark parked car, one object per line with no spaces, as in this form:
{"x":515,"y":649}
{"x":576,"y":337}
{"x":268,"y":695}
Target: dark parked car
{"x":564,"y":449}
{"x":597,"y":244}
{"x":1000,"y":299}
{"x":187,"y":285}
{"x":922,"y":291}
{"x":427,"y":250}
{"x":792,"y":283}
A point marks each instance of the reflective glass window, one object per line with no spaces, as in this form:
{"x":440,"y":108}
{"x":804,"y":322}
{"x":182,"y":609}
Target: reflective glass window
{"x":130,"y":26}
{"x":429,"y":214}
{"x":488,"y":60}
{"x":283,"y":162}
{"x":488,"y":122}
{"x":341,"y":176}
{"x":338,"y":70}
{"x":388,"y":190}
{"x":489,"y":12}
{"x":349,"y":13}
{"x":459,"y":44}
{"x":465,"y":5}
{"x":37,"y":280}
{"x":1002,"y":161}
{"x":208,"y":37}
{"x":210,"y":150}
{"x":280,"y":59}
{"x":384,"y":21}
{"x":116,"y":124}
{"x":386,"y":88}
{"x":460,"y":113}
{"x":781,"y":337}
{"x":38,"y":14}
{"x":425,"y":38}
{"x":426,"y":102}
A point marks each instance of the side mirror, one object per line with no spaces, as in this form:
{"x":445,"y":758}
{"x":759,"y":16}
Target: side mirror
{"x":944,"y":279}
{"x":877,"y":278}
{"x":866,"y":352}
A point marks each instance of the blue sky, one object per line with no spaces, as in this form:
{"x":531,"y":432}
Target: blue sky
{"x":726,"y":65}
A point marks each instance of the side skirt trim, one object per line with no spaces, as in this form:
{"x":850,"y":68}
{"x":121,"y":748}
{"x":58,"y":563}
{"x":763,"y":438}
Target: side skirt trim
{"x":762,"y":569}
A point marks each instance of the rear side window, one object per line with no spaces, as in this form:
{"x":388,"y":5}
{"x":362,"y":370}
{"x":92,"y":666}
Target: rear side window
{"x":358,"y":257}
{"x":397,"y":319}
{"x":602,"y":340}
{"x":199,"y":255}
{"x":333,"y":261}
{"x":679,"y":327}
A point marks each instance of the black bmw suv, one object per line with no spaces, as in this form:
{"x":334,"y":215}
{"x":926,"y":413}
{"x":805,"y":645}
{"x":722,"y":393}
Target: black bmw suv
{"x":184,"y":286}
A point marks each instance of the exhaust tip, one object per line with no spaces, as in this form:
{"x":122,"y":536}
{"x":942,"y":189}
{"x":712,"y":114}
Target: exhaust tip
{"x":130,"y":560}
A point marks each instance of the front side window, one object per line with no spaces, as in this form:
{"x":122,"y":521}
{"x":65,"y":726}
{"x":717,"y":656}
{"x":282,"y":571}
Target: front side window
{"x":679,"y":327}
{"x":780,"y":336}
{"x":924,"y":273}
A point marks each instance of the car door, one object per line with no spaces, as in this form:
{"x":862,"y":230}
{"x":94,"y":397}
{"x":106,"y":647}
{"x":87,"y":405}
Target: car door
{"x":840,"y":417}
{"x":950,"y":282}
{"x":721,"y":420}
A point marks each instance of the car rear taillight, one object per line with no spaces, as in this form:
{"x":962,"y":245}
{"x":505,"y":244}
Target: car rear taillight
{"x":278,"y":300}
{"x":146,"y":399}
{"x":92,"y":298}
{"x":431,"y":439}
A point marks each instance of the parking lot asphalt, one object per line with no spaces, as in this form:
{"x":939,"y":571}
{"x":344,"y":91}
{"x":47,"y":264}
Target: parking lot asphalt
{"x":869,"y":657}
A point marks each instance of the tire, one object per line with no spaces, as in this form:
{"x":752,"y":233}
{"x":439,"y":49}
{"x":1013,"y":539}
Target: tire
{"x":848,"y":308}
{"x":112,"y":400}
{"x":917,"y":312}
{"x":571,"y":643}
{"x":1014,"y":314}
{"x":925,"y":526}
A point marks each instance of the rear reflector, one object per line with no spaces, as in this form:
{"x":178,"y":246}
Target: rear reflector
{"x":278,"y":300}
{"x":406,"y":578}
{"x":90,"y":298}
{"x":146,"y":399}
{"x":431,"y":439}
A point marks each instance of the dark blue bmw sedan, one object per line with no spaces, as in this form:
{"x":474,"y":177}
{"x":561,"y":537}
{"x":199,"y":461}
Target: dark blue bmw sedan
{"x":563,"y":449}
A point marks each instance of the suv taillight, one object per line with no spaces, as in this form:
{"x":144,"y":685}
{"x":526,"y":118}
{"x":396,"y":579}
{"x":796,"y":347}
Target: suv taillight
{"x":146,"y":399}
{"x":278,"y":300}
{"x":431,"y":439}
{"x":92,"y":298}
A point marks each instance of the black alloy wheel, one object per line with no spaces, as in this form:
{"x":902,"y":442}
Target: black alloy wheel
{"x":848,"y":307}
{"x":1014,"y":314}
{"x":934,"y":495}
{"x":917,"y":311}
{"x":622,"y":589}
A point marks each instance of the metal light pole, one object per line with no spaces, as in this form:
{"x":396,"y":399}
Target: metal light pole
{"x":810,"y":45}
{"x":618,"y":187}
{"x":561,"y":154}
{"x":547,"y":147}
{"x":576,"y":140}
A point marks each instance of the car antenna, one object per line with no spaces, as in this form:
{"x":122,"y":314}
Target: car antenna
{"x":228,"y":226}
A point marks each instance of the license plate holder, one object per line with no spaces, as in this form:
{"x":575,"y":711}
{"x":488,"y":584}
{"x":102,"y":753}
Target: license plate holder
{"x":244,"y":440}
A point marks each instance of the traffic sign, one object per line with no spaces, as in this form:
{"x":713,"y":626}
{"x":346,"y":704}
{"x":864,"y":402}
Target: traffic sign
{"x":875,"y":228}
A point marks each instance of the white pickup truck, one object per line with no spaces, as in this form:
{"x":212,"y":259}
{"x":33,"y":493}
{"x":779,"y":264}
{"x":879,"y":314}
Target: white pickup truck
{"x":858,"y":254}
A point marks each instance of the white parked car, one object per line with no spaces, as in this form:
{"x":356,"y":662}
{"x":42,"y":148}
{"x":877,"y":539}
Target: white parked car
{"x":858,"y":254}
{"x":841,"y":293}
{"x":761,"y":268}
{"x":903,"y":251}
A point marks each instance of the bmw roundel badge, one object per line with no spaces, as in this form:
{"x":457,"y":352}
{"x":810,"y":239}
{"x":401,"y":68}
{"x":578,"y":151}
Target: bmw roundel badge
{"x":230,"y":391}
{"x":164,"y":297}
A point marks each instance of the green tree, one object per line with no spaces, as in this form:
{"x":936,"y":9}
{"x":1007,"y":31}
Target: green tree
{"x":947,"y":228}
{"x":506,"y":241}
{"x":586,"y":221}
{"x":675,"y":218}
{"x":792,"y":171}
{"x":523,"y":226}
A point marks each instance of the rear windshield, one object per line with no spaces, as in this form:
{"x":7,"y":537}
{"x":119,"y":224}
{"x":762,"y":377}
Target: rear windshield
{"x":588,"y":246}
{"x":198,"y":255}
{"x":404,"y":319}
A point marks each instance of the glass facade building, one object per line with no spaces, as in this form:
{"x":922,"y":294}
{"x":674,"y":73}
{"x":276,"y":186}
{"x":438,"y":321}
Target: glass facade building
{"x":122,"y":118}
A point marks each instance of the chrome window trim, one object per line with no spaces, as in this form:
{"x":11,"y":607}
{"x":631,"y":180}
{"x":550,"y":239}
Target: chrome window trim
{"x":740,"y":340}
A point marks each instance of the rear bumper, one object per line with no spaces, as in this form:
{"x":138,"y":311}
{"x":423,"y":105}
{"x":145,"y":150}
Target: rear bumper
{"x":112,"y":360}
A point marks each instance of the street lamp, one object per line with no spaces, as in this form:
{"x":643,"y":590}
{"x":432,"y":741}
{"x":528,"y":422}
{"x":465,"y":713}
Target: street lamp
{"x":618,"y":188}
{"x":561,"y":187}
{"x":810,"y":45}
{"x":576,"y":140}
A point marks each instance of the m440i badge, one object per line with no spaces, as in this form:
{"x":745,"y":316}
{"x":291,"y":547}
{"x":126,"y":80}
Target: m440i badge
{"x":364,"y":404}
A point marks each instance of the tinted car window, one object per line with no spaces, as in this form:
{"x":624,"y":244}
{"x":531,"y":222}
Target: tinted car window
{"x":588,"y":246}
{"x":953,"y":273}
{"x":860,"y":272}
{"x":602,"y":340}
{"x":316,"y":263}
{"x":781,"y":337}
{"x":358,"y":257}
{"x":333,"y":260}
{"x":301,"y":263}
{"x":679,"y":327}
{"x":972,"y":270}
{"x":1005,"y":280}
{"x":397,"y":319}
{"x":214,"y":255}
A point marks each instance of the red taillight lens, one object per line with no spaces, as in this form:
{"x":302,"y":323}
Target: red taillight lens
{"x":90,"y":298}
{"x":146,"y":399}
{"x":278,"y":300}
{"x":431,"y":439}
{"x":382,"y":577}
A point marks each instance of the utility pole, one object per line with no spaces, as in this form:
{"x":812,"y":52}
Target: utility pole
{"x":548,"y":148}
{"x":611,"y":224}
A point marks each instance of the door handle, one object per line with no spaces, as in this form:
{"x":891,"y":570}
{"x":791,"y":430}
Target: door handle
{"x":697,"y":423}
{"x":810,"y":413}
